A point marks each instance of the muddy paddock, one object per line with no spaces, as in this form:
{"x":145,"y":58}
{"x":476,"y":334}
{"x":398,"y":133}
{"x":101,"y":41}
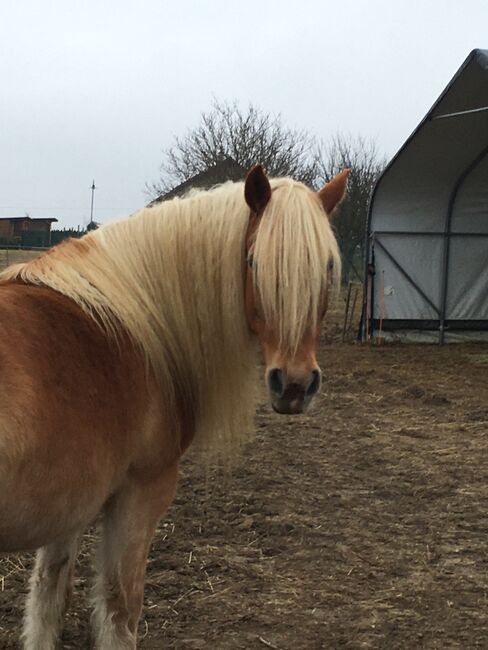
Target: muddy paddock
{"x":360,"y":525}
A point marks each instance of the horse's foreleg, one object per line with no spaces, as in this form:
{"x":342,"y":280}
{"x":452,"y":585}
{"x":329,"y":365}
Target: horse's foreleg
{"x":50,"y":591}
{"x":130,"y":520}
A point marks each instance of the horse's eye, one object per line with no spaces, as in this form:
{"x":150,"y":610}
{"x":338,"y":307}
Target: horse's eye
{"x":330,"y":266}
{"x":250,"y":260}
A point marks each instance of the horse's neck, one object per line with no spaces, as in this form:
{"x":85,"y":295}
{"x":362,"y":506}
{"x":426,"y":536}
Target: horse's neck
{"x":182,"y":267}
{"x":184,"y":278}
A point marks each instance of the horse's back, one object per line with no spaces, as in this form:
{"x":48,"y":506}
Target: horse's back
{"x":71,"y":399}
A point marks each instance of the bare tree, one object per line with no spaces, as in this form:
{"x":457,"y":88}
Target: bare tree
{"x":247,"y":136}
{"x":361,"y":156}
{"x":250,"y":136}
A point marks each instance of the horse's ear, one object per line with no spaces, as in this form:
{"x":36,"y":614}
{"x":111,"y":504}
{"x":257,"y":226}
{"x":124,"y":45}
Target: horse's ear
{"x":333,"y":193}
{"x":257,"y":190}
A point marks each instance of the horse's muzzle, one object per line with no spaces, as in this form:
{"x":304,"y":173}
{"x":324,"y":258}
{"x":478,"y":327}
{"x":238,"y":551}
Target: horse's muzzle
{"x":292,"y":396}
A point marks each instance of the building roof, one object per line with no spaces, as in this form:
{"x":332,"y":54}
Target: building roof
{"x":224,"y":170}
{"x":50,"y":219}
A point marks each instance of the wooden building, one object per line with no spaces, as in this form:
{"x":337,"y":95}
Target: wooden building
{"x":26,"y":231}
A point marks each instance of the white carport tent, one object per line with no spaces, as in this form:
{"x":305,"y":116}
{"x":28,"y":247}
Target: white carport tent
{"x":427,"y":231}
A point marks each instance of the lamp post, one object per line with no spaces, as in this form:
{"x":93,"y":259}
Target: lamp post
{"x":91,"y":225}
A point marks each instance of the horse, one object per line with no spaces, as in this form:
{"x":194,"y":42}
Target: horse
{"x":120,"y":349}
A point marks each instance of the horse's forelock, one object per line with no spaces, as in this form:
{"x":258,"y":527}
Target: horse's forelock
{"x":294,"y":245}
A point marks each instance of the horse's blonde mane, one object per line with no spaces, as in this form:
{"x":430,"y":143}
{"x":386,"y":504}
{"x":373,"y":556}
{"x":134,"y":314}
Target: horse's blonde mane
{"x":173,"y":277}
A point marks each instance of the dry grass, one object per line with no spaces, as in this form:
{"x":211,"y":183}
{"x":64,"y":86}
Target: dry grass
{"x":16,"y":256}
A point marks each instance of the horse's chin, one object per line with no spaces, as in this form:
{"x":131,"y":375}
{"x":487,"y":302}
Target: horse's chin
{"x":289,"y":407}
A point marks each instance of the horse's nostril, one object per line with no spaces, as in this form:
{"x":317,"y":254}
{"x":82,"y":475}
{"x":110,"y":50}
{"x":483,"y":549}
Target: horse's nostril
{"x":315,"y":383}
{"x":275,"y":381}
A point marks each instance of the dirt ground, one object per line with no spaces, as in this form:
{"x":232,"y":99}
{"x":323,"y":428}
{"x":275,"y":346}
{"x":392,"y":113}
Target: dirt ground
{"x":363,"y":524}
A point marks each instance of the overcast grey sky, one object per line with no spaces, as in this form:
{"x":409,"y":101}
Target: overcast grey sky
{"x":99,"y":89}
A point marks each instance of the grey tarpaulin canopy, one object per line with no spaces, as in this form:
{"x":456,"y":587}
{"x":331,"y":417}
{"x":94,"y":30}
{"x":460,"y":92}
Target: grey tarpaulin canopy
{"x":427,"y":231}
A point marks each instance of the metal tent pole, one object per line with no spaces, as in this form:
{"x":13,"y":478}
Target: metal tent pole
{"x":447,"y":241}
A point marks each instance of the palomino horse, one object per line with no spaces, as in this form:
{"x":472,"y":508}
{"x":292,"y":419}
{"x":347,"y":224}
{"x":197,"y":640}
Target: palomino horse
{"x":118,"y":349}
